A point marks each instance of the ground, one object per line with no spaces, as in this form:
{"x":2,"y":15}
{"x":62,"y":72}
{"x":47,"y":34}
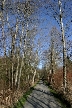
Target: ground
{"x":41,"y":97}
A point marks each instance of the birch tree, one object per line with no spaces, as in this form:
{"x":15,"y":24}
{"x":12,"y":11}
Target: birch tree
{"x":27,"y":11}
{"x":60,"y":17}
{"x":18,"y":49}
{"x":2,"y":14}
{"x":64,"y":49}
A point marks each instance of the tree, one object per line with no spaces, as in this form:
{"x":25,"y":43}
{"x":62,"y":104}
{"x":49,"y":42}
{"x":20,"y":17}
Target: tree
{"x":58,"y":16}
{"x":18,"y":30}
{"x":64,"y":49}
{"x":52,"y":56}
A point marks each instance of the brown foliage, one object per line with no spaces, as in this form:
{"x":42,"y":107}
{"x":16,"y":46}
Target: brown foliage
{"x":57,"y":84}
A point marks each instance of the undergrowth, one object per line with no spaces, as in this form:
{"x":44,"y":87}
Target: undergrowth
{"x":22,"y":100}
{"x":59,"y":97}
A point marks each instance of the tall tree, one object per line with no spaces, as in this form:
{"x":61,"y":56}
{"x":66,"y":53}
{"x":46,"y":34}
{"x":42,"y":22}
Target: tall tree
{"x":64,"y":49}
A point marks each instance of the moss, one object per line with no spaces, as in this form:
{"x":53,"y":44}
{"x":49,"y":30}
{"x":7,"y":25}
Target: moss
{"x":23,"y":99}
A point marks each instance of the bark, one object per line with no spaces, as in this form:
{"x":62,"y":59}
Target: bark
{"x":24,"y":53}
{"x":22,"y":61}
{"x":28,"y":77}
{"x":4,"y":46}
{"x":34,"y":74}
{"x":8,"y":21}
{"x":64,"y":49}
{"x":12,"y":52}
{"x":12,"y":57}
{"x":9,"y":66}
{"x":16,"y":76}
{"x":52,"y":57}
{"x":52,"y":71}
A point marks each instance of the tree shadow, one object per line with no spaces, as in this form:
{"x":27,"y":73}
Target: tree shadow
{"x":46,"y":101}
{"x":62,"y":99}
{"x":38,"y":103}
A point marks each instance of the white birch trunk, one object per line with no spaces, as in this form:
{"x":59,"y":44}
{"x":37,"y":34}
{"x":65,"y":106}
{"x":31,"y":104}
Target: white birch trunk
{"x":28,"y":77}
{"x":8,"y":28}
{"x":22,"y":62}
{"x":33,"y":80}
{"x":64,"y":49}
{"x":16,"y":76}
{"x":12,"y":52}
{"x":8,"y":21}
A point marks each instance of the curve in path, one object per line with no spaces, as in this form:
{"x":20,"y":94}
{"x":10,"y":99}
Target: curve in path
{"x":41,"y":97}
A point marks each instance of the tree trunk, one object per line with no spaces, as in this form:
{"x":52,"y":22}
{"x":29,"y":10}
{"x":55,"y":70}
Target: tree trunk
{"x":20,"y":71}
{"x":4,"y":47}
{"x":23,"y":55}
{"x":33,"y":80}
{"x":12,"y":57}
{"x":52,"y":71}
{"x":64,"y":49}
{"x":16,"y":77}
{"x":12,"y":53}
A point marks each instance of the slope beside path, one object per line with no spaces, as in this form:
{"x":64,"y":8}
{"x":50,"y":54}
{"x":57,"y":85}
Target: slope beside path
{"x":41,"y":97}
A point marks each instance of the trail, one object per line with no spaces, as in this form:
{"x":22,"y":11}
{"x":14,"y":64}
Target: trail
{"x":41,"y":97}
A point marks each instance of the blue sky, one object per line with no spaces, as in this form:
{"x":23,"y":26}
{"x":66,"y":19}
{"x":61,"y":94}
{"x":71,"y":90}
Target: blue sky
{"x":46,"y":22}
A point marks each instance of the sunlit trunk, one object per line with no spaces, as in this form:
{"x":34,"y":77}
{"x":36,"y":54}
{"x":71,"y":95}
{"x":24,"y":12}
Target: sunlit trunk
{"x":12,"y":51}
{"x":64,"y":49}
{"x":22,"y":61}
{"x":9,"y":74}
{"x":34,"y":74}
{"x":16,"y":74}
{"x":16,"y":77}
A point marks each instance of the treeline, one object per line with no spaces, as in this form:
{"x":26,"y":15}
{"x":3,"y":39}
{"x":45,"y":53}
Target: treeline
{"x":21,"y":51}
{"x":18,"y":56}
{"x":53,"y":69}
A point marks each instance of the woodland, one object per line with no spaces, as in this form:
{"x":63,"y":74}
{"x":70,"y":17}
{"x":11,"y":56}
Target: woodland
{"x":30,"y":51}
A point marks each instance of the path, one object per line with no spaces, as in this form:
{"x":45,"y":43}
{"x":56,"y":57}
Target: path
{"x":41,"y":98}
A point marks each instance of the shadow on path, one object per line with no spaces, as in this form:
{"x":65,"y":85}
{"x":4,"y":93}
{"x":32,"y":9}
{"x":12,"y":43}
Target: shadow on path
{"x":41,"y":98}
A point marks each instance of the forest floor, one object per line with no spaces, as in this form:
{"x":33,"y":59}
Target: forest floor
{"x":41,"y":97}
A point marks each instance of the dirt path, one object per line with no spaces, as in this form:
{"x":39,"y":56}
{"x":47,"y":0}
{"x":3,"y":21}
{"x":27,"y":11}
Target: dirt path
{"x":41,"y":98}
